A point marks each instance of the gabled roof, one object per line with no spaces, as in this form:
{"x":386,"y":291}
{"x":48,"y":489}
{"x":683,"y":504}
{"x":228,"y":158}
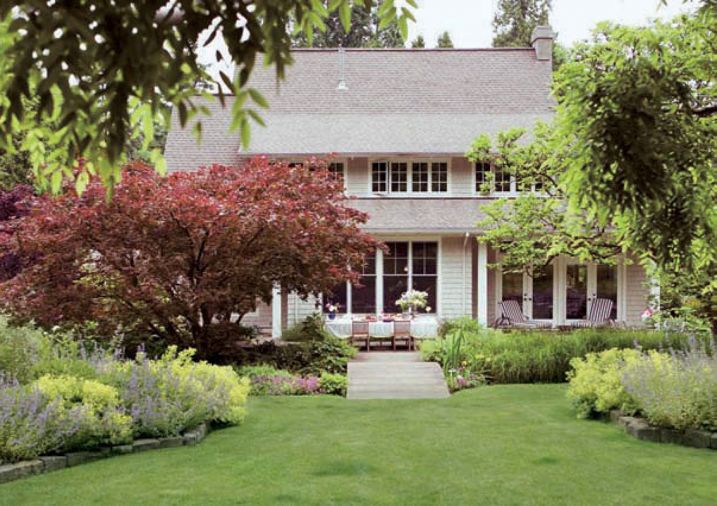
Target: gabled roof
{"x":397,"y":101}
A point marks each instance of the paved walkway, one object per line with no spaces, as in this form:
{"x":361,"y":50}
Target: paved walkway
{"x":395,"y":375}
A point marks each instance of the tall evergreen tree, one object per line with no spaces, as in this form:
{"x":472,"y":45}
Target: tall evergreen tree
{"x":444,"y":40}
{"x":418,"y":42}
{"x":515,"y":20}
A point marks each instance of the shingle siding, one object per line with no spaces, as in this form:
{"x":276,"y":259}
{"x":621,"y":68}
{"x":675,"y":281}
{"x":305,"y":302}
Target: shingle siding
{"x":461,"y":177}
{"x":455,"y":277}
{"x":636,"y":293}
{"x":357,"y":176}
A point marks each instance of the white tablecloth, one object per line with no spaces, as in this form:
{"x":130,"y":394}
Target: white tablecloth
{"x":421,"y":328}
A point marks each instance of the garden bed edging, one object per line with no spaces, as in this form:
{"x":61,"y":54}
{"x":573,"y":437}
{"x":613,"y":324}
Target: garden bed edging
{"x":641,"y":429}
{"x":48,"y":463}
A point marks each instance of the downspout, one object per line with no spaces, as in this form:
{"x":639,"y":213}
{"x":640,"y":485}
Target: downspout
{"x":465,"y":241}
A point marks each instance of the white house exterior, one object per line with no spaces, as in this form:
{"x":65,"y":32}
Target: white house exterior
{"x":398,"y":122}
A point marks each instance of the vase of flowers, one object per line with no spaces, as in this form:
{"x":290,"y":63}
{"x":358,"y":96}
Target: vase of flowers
{"x":411,"y":301}
{"x":332,"y":310}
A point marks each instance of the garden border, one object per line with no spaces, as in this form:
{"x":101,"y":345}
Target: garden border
{"x":48,"y":463}
{"x":639,"y":428}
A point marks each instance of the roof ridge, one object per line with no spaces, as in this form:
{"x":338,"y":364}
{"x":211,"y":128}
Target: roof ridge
{"x":407,"y":49}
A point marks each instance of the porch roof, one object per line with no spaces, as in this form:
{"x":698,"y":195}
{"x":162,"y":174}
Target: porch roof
{"x":421,"y":215}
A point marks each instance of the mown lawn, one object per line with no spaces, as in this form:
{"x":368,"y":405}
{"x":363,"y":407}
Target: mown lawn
{"x":513,"y":444}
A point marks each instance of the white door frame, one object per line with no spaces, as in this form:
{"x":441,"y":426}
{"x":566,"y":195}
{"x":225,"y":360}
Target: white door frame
{"x":560,"y":265}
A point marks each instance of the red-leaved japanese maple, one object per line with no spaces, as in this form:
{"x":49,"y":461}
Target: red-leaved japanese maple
{"x":186,"y":256}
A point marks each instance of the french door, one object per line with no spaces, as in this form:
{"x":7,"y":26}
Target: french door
{"x":584,"y":283}
{"x":533,"y":290}
{"x":561,"y":292}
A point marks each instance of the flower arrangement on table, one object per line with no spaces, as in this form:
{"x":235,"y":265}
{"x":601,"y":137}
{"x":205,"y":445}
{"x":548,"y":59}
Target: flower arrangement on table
{"x":412,"y":300}
{"x":332,"y":310}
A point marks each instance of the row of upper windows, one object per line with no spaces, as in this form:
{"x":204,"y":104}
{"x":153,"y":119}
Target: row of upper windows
{"x":432,"y":177}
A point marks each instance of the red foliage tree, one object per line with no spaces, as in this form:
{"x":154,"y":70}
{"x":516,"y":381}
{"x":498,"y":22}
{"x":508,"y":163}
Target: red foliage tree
{"x":187,"y":256}
{"x":13,"y":205}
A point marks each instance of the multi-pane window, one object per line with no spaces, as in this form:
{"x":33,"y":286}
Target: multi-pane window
{"x":363,"y":294}
{"x":414,"y":177}
{"x":439,"y":177}
{"x":482,"y":175}
{"x":424,"y":269}
{"x":501,"y":180}
{"x":379,"y":177}
{"x":336,"y":170}
{"x":395,"y":274}
{"x":399,"y":176}
{"x":419,"y":171}
{"x":338,"y":296}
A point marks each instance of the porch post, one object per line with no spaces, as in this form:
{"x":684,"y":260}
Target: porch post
{"x":276,"y":311}
{"x":482,"y":276}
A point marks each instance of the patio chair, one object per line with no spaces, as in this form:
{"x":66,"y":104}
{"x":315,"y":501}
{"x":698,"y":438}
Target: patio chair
{"x":599,"y":315}
{"x":512,"y":316}
{"x":402,"y":333}
{"x":359,"y":333}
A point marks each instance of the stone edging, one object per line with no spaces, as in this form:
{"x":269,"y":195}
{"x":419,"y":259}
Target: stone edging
{"x":639,"y":428}
{"x":45,"y":464}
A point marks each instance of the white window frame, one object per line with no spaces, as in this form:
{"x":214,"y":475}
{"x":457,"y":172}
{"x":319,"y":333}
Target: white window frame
{"x":302,"y":161}
{"x":512,"y":192}
{"x":409,"y":187}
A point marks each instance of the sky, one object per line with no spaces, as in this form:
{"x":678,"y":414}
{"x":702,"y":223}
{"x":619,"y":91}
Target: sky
{"x":469,"y":21}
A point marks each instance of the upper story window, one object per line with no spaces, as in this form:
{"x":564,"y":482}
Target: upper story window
{"x":492,"y":179}
{"x":409,"y":177}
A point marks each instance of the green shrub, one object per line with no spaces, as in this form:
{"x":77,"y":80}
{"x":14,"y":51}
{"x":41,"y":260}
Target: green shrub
{"x":18,"y":350}
{"x":173,"y":394}
{"x":94,"y":408}
{"x":311,"y":329}
{"x":333,"y":384}
{"x":310,"y":358}
{"x":596,"y":382}
{"x":677,"y":390}
{"x":534,"y":356}
{"x":467,"y":324}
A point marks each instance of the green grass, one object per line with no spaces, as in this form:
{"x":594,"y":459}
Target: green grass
{"x":512,"y":444}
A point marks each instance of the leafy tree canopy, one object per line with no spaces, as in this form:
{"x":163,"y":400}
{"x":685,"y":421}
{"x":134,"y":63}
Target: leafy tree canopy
{"x":365,"y":30}
{"x":535,"y":227}
{"x":637,"y":115}
{"x":100,"y":70}
{"x":515,"y":20}
{"x":184,"y":257}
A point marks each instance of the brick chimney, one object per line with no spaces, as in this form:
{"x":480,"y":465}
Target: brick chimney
{"x":542,"y":41}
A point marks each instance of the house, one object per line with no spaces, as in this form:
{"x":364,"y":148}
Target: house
{"x":399,"y":122}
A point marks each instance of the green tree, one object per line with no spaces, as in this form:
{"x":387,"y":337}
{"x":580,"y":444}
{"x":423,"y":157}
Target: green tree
{"x":365,"y":31}
{"x":515,"y":20}
{"x":418,"y":42}
{"x":102,"y":70}
{"x":536,"y":227}
{"x":638,"y":113}
{"x":444,"y":40}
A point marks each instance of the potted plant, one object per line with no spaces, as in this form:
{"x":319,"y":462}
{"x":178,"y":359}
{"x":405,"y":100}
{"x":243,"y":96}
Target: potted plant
{"x":411,"y":301}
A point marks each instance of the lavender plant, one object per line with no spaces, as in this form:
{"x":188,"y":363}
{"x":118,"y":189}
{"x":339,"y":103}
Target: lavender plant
{"x":678,"y":389}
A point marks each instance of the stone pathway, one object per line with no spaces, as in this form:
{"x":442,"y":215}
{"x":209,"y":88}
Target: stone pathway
{"x":395,"y":375}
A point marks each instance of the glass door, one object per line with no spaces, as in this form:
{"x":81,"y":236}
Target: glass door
{"x":541,"y":299}
{"x":576,"y":291}
{"x":605,"y":286}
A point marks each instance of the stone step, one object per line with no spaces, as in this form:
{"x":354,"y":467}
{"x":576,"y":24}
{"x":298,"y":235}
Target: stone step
{"x":401,"y":376}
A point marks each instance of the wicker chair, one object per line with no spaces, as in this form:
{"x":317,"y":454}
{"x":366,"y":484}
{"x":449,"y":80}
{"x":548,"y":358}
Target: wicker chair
{"x":402,"y":333}
{"x":359,"y":333}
